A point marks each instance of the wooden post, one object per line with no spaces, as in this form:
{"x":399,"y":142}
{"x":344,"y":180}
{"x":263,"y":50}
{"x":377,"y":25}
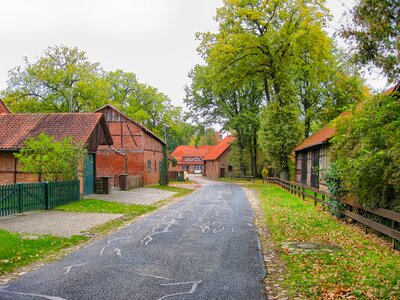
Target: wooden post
{"x":315,"y":201}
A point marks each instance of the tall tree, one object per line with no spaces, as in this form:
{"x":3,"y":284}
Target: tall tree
{"x":61,"y":80}
{"x":213,"y":100}
{"x":375,"y":31}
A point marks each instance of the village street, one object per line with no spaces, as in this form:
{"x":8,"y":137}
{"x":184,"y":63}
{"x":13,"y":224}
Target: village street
{"x":203,"y":247}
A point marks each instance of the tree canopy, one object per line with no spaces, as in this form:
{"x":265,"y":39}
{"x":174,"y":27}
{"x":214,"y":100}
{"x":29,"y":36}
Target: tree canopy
{"x":375,"y":31}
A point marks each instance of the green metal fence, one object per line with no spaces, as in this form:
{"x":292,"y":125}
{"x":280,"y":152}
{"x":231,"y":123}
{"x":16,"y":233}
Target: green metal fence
{"x":22,"y":197}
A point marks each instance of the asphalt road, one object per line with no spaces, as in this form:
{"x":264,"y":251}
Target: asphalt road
{"x":204,"y":247}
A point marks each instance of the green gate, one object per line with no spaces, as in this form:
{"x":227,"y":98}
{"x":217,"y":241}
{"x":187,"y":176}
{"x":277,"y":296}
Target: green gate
{"x":88,"y":180}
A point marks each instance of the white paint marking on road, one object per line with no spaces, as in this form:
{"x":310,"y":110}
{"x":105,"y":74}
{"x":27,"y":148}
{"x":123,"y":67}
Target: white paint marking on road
{"x":180,"y":216}
{"x":134,"y":230}
{"x":233,"y":229}
{"x":148,"y":238}
{"x":68,"y":268}
{"x":219,"y":228}
{"x":110,"y":241}
{"x":204,"y":227}
{"x":195,"y":284}
{"x":118,"y":252}
{"x":153,"y":276}
{"x":33,"y":295}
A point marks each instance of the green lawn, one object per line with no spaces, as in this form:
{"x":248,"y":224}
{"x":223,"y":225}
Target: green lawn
{"x":100,"y":206}
{"x":365,"y":268}
{"x":19,"y":250}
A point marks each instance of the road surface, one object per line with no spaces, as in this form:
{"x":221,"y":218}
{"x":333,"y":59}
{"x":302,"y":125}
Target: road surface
{"x":203,"y":247}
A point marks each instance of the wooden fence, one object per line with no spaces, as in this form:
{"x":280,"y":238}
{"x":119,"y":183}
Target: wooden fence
{"x":382,"y":220}
{"x":22,"y":197}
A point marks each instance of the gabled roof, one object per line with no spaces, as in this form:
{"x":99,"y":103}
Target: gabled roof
{"x":16,"y":128}
{"x":3,"y":108}
{"x":190,"y":151}
{"x":220,"y":148}
{"x":109,"y":106}
{"x":321,"y":136}
{"x":395,"y":88}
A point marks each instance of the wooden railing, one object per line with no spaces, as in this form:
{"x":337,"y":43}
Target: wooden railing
{"x":390,"y":225}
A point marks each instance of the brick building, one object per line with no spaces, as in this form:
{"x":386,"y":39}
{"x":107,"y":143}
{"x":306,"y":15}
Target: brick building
{"x":88,"y":130}
{"x":136,"y":150}
{"x":190,"y":158}
{"x":216,"y":161}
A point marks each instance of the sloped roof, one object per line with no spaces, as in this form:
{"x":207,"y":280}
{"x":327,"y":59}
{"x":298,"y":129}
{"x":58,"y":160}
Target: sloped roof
{"x":327,"y":132}
{"x":321,"y":136}
{"x":16,"y":128}
{"x":109,"y":106}
{"x":190,"y":151}
{"x":3,"y":108}
{"x":220,"y":148}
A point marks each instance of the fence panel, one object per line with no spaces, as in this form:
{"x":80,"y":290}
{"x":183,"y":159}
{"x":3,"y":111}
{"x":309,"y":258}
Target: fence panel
{"x":31,"y":196}
{"x":62,"y":192}
{"x":8,"y":199}
{"x":22,"y":197}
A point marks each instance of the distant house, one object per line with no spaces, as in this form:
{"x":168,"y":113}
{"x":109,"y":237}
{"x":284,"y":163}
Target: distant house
{"x":311,"y":154}
{"x":88,"y":130}
{"x":190,"y":158}
{"x":216,"y":161}
{"x":136,"y":150}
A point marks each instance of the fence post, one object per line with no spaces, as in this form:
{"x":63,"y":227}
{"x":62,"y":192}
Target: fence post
{"x":302,"y":192}
{"x":315,"y":201}
{"x":20,"y":188}
{"x":46,"y":196}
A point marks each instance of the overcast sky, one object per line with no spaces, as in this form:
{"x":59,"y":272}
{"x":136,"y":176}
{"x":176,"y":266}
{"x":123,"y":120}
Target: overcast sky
{"x":155,"y":39}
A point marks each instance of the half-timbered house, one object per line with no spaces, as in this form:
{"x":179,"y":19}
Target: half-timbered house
{"x":136,"y":150}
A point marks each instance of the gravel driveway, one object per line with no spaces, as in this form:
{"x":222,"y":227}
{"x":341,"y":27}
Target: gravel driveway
{"x":57,"y":223}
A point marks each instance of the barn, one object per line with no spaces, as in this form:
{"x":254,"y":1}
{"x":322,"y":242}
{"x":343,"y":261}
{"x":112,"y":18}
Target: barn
{"x":88,"y":130}
{"x":136,"y":150}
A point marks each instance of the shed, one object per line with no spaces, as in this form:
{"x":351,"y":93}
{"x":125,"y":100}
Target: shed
{"x":88,"y":130}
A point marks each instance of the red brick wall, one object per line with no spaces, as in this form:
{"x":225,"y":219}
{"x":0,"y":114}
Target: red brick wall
{"x":213,"y":166}
{"x":111,"y":163}
{"x":7,"y":169}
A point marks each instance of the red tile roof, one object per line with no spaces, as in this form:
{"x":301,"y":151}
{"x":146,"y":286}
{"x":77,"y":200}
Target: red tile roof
{"x":3,"y":108}
{"x":321,"y":136}
{"x":190,"y":151}
{"x":220,"y":148}
{"x":16,"y":128}
{"x":395,"y":88}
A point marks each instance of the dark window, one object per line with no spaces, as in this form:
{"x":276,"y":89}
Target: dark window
{"x":303,"y":156}
{"x":230,"y":168}
{"x":149,"y":166}
{"x":315,"y":169}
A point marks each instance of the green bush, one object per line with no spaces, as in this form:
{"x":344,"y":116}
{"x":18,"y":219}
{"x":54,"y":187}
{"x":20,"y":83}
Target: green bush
{"x":366,"y":149}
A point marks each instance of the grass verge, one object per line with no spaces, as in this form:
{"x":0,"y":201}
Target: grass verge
{"x":19,"y":250}
{"x":365,"y":268}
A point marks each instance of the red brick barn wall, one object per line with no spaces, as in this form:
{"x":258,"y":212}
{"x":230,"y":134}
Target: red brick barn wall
{"x":152,"y":153}
{"x":213,"y":167}
{"x":131,"y":150}
{"x":7,"y":170}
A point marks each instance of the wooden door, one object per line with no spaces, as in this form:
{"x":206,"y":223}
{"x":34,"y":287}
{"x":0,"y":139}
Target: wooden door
{"x":88,"y":178}
{"x":304,"y":167}
{"x":315,"y":168}
{"x":222,"y":172}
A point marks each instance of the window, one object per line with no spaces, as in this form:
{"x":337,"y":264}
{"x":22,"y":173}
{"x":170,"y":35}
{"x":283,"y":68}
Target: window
{"x":149,"y":166}
{"x":198,"y":167}
{"x":155,"y":166}
{"x":230,"y":168}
